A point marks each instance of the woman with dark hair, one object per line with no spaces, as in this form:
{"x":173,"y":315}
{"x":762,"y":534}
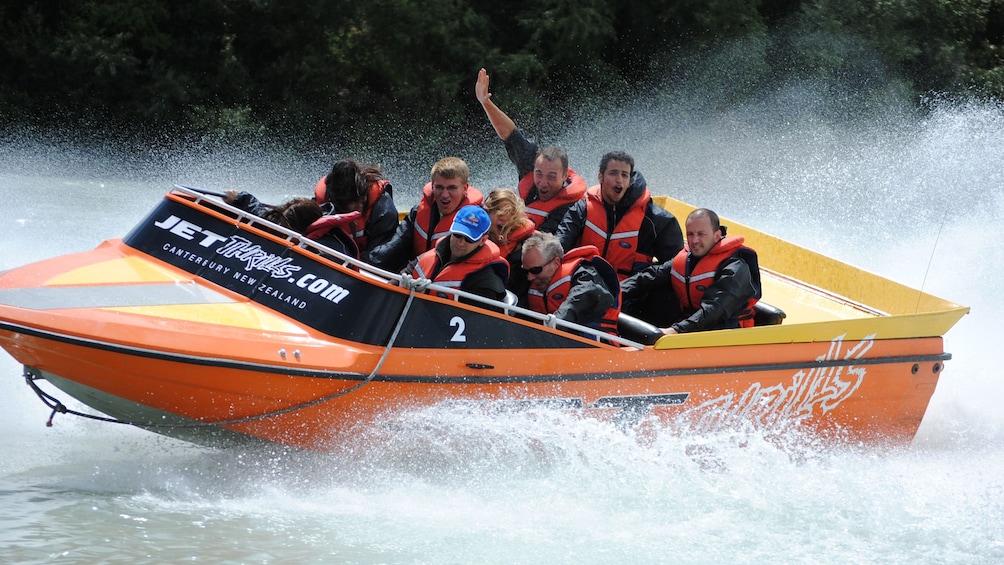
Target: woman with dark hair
{"x":302,"y":215}
{"x":352,"y":186}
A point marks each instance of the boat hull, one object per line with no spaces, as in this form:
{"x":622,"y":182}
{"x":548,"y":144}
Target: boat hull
{"x":863,"y":391}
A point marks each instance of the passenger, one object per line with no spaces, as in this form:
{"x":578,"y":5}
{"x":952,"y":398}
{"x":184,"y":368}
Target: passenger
{"x":305,"y":216}
{"x":510,"y":228}
{"x":619,"y":218}
{"x":431,"y":218}
{"x":578,"y":286}
{"x":716,"y":279}
{"x":352,"y":186}
{"x":466,"y":260}
{"x":546,"y":184}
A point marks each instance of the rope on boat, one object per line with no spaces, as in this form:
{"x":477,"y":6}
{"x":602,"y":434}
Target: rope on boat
{"x":52,"y":402}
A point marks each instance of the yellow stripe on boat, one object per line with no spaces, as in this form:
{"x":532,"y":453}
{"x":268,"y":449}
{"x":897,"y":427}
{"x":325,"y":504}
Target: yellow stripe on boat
{"x":235,"y":314}
{"x":124,"y":270}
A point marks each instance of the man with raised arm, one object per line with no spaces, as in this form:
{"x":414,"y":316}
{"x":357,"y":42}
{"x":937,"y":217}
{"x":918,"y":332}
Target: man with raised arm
{"x":546,"y":184}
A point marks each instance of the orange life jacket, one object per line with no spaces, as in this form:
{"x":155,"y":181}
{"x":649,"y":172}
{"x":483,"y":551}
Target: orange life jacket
{"x":538,"y":210}
{"x":337,"y":226}
{"x":453,"y":275}
{"x":619,"y":243}
{"x":690,"y":290}
{"x":516,"y":238}
{"x":426,"y":235}
{"x":561,"y":284}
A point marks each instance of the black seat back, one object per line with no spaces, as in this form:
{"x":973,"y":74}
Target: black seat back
{"x":638,"y":330}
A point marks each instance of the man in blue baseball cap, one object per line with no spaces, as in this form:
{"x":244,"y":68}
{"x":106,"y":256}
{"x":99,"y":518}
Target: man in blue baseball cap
{"x":466,"y":260}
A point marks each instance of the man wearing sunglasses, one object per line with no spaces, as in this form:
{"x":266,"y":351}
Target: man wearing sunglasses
{"x":466,"y":260}
{"x":578,"y":286}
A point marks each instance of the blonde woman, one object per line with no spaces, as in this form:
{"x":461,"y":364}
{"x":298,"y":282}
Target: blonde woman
{"x":510,"y":228}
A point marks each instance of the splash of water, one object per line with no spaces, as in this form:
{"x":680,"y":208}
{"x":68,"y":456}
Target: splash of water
{"x":454,"y":484}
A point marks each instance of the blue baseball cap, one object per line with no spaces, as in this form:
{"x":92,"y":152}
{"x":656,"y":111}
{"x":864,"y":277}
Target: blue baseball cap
{"x":471,"y":222}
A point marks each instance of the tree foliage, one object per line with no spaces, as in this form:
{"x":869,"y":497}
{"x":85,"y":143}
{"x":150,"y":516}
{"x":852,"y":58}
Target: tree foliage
{"x":326,"y":66}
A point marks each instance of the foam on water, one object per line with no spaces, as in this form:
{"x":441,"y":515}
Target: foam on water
{"x":916,"y":199}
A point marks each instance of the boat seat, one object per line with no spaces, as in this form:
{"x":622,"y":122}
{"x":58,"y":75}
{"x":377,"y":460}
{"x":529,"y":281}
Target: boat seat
{"x":638,"y":330}
{"x":766,"y":315}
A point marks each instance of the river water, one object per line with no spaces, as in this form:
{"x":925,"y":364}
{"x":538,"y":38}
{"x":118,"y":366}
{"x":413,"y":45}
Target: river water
{"x":914,"y":197}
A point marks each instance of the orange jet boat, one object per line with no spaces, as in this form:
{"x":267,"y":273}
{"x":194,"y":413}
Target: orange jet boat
{"x":215,"y":326}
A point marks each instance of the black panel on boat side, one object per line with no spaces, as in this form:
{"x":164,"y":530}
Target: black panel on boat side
{"x":322,"y":297}
{"x":438,"y":325}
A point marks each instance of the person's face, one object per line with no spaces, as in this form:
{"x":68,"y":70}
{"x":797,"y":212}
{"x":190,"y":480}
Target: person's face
{"x":460,"y":246}
{"x":615,"y":181}
{"x":533,"y":259}
{"x":549,"y":177}
{"x":448,"y":193}
{"x":499,"y":220}
{"x":700,"y":237}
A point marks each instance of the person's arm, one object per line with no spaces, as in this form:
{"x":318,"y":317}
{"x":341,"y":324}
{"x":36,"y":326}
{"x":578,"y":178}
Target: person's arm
{"x":484,"y":282}
{"x":383,"y":222}
{"x":722,"y":300}
{"x":569,"y":231}
{"x":245,"y":201}
{"x":503,"y":124}
{"x":661,"y":230}
{"x":394,"y":254}
{"x":639,"y":284}
{"x":554,"y":217}
{"x":588,"y":299}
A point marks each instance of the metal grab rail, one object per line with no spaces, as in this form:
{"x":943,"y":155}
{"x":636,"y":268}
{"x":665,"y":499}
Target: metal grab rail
{"x":299,"y":240}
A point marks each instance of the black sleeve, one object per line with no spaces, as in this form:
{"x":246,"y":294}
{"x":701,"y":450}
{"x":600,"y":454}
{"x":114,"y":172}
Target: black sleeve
{"x":247,"y":202}
{"x":522,"y":152}
{"x":383,"y":222}
{"x":723,"y":299}
{"x":641,"y":283}
{"x":550,"y":223}
{"x":484,"y":282}
{"x":588,"y":299}
{"x":662,"y":234}
{"x":395,"y":253}
{"x":570,"y":228}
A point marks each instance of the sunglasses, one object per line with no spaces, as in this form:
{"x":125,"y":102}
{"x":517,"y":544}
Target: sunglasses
{"x":535,"y":270}
{"x":467,"y":239}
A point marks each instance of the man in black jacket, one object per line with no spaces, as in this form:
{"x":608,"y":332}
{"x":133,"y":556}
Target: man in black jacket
{"x":619,"y":218}
{"x":712,"y":283}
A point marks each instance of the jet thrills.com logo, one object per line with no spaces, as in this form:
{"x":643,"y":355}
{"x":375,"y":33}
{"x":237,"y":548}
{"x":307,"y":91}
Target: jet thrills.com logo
{"x":254,"y":259}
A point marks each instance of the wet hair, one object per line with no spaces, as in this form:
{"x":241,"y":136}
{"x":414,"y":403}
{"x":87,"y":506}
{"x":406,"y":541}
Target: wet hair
{"x":704,"y":212}
{"x":507,"y":202}
{"x":349,"y":182}
{"x":296,"y":214}
{"x":547,"y":244}
{"x":451,"y":168}
{"x":553,"y":153}
{"x":616,"y":156}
